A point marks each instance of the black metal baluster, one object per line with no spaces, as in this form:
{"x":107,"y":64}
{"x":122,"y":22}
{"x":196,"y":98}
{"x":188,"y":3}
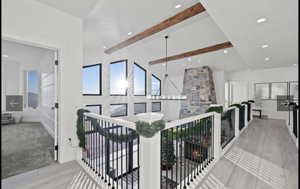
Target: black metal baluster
{"x":106,"y":155}
{"x":212,"y":138}
{"x":121,"y":160}
{"x":189,"y":160}
{"x":199,"y":146}
{"x":90,"y":148}
{"x":194,"y":151}
{"x":131,"y":160}
{"x":109,"y":160}
{"x":126,"y":156}
{"x":213,"y":131}
{"x":206,"y":147}
{"x":161,"y":138}
{"x":84,"y":152}
{"x":185,"y":153}
{"x":177,"y":157}
{"x":138,"y":161}
{"x":113,"y":159}
{"x":117,"y":183}
{"x":181,"y":147}
{"x":102,"y":151}
{"x":172,"y":139}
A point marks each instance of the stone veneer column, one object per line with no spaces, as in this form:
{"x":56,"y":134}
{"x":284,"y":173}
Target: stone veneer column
{"x":198,"y":86}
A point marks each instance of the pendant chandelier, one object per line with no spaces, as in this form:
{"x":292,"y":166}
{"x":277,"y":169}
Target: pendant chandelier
{"x":167,"y":81}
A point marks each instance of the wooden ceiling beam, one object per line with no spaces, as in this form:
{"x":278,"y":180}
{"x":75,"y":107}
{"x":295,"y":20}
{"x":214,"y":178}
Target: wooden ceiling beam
{"x":212,"y":48}
{"x":185,"y":14}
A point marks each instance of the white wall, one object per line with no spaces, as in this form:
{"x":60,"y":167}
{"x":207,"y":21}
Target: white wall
{"x":33,"y":22}
{"x":10,"y":79}
{"x":263,"y":75}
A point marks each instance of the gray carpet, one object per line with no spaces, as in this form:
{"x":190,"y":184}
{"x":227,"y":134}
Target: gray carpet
{"x":25,"y":147}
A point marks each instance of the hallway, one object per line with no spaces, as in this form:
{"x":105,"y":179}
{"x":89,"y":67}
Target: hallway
{"x":263,"y":157}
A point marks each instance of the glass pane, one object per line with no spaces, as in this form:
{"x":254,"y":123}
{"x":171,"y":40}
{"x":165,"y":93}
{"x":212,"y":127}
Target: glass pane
{"x":156,"y":106}
{"x":294,"y":89}
{"x":155,"y":86}
{"x":94,"y":108}
{"x":117,"y":110}
{"x":139,"y":108}
{"x":91,"y":79}
{"x":33,"y":89}
{"x":278,"y":89}
{"x":139,"y":80}
{"x":262,"y":91}
{"x":118,"y":82}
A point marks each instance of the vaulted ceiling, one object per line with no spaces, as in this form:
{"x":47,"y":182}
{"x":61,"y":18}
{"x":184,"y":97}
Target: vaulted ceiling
{"x":108,"y":22}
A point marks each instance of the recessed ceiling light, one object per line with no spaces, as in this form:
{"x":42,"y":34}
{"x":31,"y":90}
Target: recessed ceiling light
{"x":264,"y":46}
{"x":129,"y":33}
{"x":178,"y":6}
{"x":295,"y":64}
{"x":5,"y":55}
{"x":261,"y":20}
{"x":267,"y":59}
{"x":189,"y":59}
{"x":225,"y":51}
{"x":104,"y":47}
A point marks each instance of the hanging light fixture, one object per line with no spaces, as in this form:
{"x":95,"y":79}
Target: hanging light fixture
{"x":166,"y":79}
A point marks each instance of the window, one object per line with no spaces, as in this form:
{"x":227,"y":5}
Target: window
{"x":140,"y":108}
{"x":156,"y":106}
{"x":32,"y":92}
{"x":139,"y":80}
{"x":92,"y":80}
{"x":118,"y":78}
{"x":262,"y":90}
{"x":294,"y":89}
{"x":117,"y":110}
{"x":278,"y":89}
{"x":156,"y":86}
{"x":95,"y":108}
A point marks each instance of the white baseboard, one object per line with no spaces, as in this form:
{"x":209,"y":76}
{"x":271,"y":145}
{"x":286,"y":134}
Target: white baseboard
{"x":294,"y":139}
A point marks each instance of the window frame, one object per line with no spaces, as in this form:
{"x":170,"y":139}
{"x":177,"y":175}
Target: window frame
{"x":145,"y":79}
{"x":289,"y":87}
{"x":26,"y":96}
{"x":126,"y":114}
{"x":270,"y":89}
{"x":145,"y":103}
{"x":152,"y":75}
{"x":155,"y":103}
{"x":126,"y":75}
{"x":100,"y":79}
{"x":99,"y":105}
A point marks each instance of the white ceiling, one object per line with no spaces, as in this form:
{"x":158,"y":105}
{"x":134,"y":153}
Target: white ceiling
{"x":78,"y":8}
{"x":27,"y":56}
{"x":237,"y":19}
{"x":107,"y":22}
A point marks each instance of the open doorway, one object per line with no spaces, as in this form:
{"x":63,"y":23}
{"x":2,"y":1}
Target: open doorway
{"x":29,"y":110}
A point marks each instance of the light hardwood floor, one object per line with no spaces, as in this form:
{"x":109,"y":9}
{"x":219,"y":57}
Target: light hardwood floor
{"x":264,"y":157}
{"x":57,"y":176}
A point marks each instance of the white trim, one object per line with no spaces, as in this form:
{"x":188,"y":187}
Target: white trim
{"x":187,"y":120}
{"x":116,"y":121}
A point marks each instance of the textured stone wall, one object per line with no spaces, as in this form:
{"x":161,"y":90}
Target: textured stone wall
{"x":198,"y":86}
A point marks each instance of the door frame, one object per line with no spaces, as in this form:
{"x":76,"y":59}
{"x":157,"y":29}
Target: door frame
{"x":57,"y":55}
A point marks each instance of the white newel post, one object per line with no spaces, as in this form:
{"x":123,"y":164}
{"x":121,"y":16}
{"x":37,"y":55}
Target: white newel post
{"x":217,"y":136}
{"x":251,"y":112}
{"x":236,"y":122}
{"x":150,"y":162}
{"x":245,"y":116}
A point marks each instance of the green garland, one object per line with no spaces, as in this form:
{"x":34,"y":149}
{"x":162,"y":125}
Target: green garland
{"x":80,"y":128}
{"x":218,"y":109}
{"x":142,"y":128}
{"x":148,"y":130}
